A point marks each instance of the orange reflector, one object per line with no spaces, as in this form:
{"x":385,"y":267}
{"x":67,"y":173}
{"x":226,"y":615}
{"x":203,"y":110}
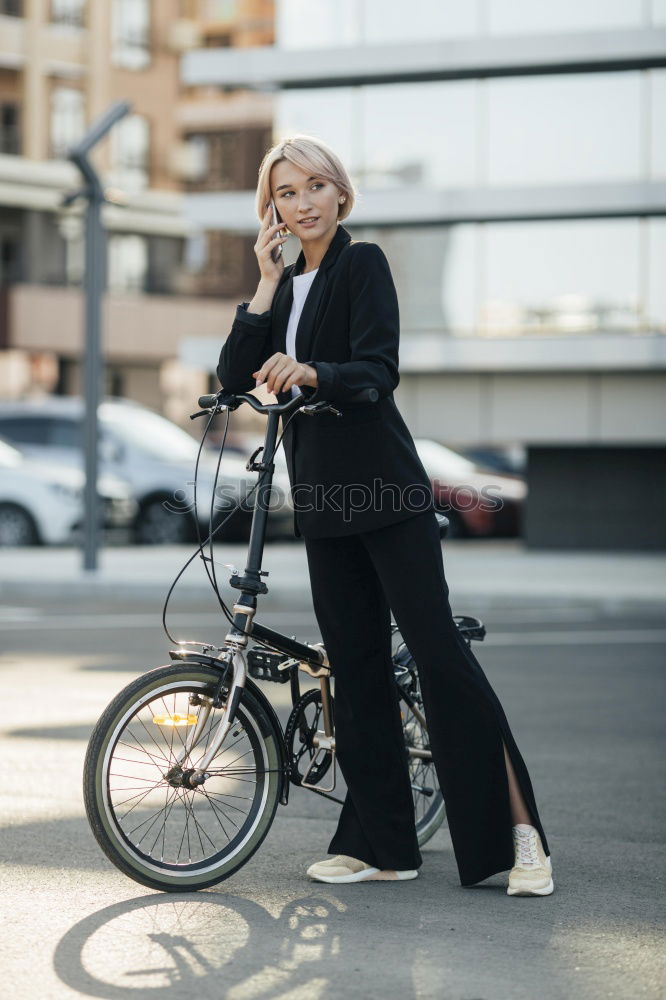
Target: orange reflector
{"x":175,"y":720}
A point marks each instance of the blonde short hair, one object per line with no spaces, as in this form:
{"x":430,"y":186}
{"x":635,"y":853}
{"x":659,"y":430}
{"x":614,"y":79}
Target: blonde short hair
{"x":309,"y":153}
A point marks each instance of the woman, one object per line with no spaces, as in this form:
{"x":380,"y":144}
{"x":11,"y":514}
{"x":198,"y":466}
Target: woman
{"x":363,"y":504}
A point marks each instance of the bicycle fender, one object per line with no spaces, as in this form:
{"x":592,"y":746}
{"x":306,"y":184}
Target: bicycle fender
{"x":190,"y":656}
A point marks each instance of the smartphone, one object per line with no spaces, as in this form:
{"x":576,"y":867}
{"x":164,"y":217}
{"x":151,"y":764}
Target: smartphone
{"x":276,"y":252}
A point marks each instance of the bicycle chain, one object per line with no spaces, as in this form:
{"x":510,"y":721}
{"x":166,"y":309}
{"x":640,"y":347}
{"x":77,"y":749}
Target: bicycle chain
{"x":294,"y":722}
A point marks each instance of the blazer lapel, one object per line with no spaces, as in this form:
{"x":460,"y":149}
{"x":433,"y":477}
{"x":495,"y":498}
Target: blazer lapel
{"x":284,"y":298}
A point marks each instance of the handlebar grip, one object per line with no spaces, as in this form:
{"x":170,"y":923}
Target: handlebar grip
{"x":209,"y":400}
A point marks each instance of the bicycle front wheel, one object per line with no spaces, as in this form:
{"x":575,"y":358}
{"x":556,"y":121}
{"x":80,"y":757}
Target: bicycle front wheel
{"x":153,"y":827}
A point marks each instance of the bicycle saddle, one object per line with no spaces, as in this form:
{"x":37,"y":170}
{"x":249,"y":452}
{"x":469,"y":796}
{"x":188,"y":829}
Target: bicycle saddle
{"x":443,"y":523}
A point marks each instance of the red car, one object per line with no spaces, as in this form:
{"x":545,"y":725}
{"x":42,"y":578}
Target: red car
{"x":477,"y":501}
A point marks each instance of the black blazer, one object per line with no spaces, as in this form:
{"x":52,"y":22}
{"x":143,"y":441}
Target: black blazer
{"x":359,"y":471}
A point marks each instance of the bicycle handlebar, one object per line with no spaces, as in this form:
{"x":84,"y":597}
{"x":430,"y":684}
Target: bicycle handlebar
{"x":232,"y":400}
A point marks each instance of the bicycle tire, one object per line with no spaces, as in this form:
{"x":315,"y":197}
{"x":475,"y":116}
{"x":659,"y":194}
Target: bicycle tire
{"x":428,"y":820}
{"x":429,"y":809}
{"x":166,"y":686}
{"x":429,"y":812}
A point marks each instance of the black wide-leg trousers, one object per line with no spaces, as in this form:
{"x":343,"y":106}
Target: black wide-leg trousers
{"x":357,"y":581}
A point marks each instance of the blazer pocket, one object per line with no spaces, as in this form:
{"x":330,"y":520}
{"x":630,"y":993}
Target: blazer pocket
{"x":348,"y":453}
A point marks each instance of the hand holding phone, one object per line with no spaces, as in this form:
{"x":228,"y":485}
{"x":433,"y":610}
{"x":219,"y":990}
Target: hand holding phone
{"x":268,"y":247}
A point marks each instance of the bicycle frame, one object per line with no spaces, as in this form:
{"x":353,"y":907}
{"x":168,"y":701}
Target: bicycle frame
{"x":312,"y":659}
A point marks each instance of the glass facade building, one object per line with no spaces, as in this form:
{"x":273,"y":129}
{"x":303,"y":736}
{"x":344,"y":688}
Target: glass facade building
{"x":376,"y":22}
{"x":510,"y":159}
{"x":553,"y":276}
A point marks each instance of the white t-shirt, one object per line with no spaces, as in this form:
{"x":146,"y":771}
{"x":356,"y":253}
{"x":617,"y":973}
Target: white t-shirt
{"x":301,"y":284}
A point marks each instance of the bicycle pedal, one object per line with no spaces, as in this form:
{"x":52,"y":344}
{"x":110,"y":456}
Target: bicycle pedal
{"x":265,"y":665}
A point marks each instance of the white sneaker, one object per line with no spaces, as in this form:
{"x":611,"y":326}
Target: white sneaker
{"x":343,"y":868}
{"x":532,"y":872}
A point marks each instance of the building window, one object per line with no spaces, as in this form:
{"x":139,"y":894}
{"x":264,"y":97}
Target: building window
{"x":506,"y":132}
{"x":218,"y":40}
{"x":220,"y":10}
{"x":546,"y":278}
{"x":10,"y":139}
{"x":655,"y":287}
{"x":549,"y":279}
{"x":10,"y":258}
{"x":198,"y":157}
{"x":337,"y":23}
{"x":130,"y":33}
{"x":514,"y":17}
{"x":11,"y":8}
{"x":657,"y":131}
{"x":130,"y":154}
{"x":70,"y":227}
{"x":563,"y":129}
{"x":67,"y":119}
{"x":195,"y":253}
{"x":69,"y":12}
{"x":226,"y":160}
{"x":127,"y":263}
{"x":382,"y":23}
{"x":374,"y":22}
{"x":224,"y":267}
{"x":114,"y":382}
{"x":219,"y":263}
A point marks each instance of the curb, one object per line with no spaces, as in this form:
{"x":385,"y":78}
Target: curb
{"x":287,"y":596}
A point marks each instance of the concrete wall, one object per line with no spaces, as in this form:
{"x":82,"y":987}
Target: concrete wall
{"x":136,"y":327}
{"x":531,"y":407}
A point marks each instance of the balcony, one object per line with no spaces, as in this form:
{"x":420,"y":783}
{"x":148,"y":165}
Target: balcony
{"x":135,"y":328}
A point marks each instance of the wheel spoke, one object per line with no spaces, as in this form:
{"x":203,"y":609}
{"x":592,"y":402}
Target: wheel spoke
{"x":198,"y":825}
{"x":159,"y":748}
{"x":134,"y":777}
{"x":152,"y":819}
{"x":226,"y":796}
{"x":215,"y":812}
{"x":152,"y":758}
{"x":139,"y":795}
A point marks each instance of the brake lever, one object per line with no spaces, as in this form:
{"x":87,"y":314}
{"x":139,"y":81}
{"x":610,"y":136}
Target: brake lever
{"x":218,"y":408}
{"x":321,"y":407}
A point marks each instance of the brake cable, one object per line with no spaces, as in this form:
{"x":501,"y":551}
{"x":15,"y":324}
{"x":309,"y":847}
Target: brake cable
{"x":199,"y":551}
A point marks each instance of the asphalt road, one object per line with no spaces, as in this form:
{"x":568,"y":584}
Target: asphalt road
{"x":583,"y":691}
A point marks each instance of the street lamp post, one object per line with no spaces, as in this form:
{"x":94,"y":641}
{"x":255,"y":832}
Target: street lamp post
{"x":94,"y":284}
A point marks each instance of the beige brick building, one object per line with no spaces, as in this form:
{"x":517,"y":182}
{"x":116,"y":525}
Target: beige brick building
{"x":62,"y":63}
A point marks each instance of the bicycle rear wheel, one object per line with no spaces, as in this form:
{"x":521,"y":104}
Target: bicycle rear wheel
{"x":150,"y":825}
{"x":429,"y":807}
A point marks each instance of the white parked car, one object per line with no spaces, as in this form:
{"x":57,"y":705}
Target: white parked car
{"x":42,"y":503}
{"x":155,"y":456}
